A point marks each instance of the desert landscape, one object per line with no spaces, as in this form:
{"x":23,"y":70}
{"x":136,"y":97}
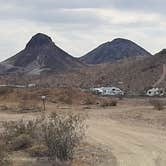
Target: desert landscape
{"x":118,"y":131}
{"x":82,"y":83}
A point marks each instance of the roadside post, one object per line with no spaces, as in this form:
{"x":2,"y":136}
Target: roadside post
{"x":44,"y":102}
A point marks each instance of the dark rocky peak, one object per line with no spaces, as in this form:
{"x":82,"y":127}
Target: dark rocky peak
{"x":162,"y":52}
{"x":38,"y":40}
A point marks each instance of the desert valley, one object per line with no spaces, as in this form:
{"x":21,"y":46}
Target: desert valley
{"x":43,"y":87}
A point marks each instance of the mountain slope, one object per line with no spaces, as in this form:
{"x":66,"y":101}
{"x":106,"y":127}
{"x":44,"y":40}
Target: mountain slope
{"x":113,"y":51}
{"x":42,"y":54}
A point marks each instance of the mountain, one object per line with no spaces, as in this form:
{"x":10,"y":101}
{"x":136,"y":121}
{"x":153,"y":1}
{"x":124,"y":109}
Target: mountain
{"x":115,"y":50}
{"x":42,"y":54}
{"x":134,"y":76}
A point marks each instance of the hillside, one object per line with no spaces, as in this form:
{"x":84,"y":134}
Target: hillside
{"x":115,"y":50}
{"x":41,"y":54}
{"x":132,"y":75}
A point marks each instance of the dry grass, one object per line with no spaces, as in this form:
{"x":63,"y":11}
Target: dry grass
{"x":157,"y":104}
{"x":4,"y":158}
{"x":54,"y":137}
{"x":108,"y":103}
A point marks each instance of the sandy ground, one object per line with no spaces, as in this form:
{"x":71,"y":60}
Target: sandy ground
{"x":134,"y":140}
{"x":133,"y":132}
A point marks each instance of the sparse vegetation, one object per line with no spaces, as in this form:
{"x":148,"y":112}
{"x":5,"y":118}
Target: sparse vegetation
{"x":66,"y":96}
{"x":55,"y":136}
{"x":108,"y":103}
{"x":5,"y":90}
{"x":62,"y":135}
{"x":89,"y":100}
{"x":38,"y":150}
{"x":4,"y":158}
{"x":157,"y":104}
{"x":28,"y":106}
{"x":21,"y":142}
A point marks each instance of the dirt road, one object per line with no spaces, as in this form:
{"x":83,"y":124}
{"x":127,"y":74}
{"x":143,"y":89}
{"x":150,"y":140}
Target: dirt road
{"x":131,"y":145}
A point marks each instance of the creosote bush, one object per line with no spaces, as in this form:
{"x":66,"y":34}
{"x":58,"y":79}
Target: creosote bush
{"x":62,"y":134}
{"x":4,"y":158}
{"x":89,"y":100}
{"x":55,"y":136}
{"x":14,"y":129}
{"x":157,"y":104}
{"x":21,"y":142}
{"x":108,"y":103}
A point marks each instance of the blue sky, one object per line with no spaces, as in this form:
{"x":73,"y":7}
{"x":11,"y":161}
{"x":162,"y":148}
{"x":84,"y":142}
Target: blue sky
{"x":78,"y":26}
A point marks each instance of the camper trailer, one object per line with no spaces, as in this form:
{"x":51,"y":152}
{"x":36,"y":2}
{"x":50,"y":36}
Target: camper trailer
{"x":108,"y":91}
{"x":155,"y":92}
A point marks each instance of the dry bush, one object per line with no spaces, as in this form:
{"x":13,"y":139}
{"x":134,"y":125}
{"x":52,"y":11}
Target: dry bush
{"x":4,"y":107}
{"x":62,"y":134}
{"x":108,"y":103}
{"x":89,"y":100}
{"x":57,"y":134}
{"x":157,"y":104}
{"x":38,"y":150}
{"x":5,"y":90}
{"x":66,"y":96}
{"x":4,"y":158}
{"x":21,"y":142}
{"x":28,"y":106}
{"x":14,"y":129}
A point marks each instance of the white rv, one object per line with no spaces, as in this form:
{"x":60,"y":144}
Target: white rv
{"x":155,"y":92}
{"x":108,"y":91}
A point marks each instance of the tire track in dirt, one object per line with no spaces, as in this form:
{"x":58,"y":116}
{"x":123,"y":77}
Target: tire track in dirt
{"x":132,"y":146}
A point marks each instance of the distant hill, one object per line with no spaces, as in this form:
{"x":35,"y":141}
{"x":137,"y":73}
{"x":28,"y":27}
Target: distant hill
{"x":132,"y":75}
{"x":41,"y":54}
{"x":115,"y":50}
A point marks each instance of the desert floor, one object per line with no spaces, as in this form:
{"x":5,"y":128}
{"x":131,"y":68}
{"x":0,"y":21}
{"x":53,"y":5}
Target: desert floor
{"x":129,"y":134}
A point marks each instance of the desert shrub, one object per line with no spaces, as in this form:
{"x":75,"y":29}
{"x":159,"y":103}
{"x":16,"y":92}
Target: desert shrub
{"x":14,"y":129}
{"x":5,"y":90}
{"x":38,"y":150}
{"x":56,"y":135}
{"x":4,"y":158}
{"x":66,"y":96}
{"x":157,"y":104}
{"x":89,"y":100}
{"x":4,"y":107}
{"x":21,"y":142}
{"x":65,"y":99}
{"x":62,"y":134}
{"x":28,"y":106}
{"x":108,"y":103}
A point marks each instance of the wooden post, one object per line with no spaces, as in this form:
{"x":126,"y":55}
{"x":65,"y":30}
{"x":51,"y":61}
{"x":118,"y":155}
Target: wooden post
{"x":44,"y":102}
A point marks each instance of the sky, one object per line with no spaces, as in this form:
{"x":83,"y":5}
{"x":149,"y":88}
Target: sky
{"x":78,"y":26}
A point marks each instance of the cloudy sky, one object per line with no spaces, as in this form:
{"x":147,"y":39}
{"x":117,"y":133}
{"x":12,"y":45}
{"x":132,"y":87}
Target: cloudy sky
{"x":81,"y":25}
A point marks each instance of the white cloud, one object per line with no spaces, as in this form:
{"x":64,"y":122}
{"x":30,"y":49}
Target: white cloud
{"x":78,"y":26}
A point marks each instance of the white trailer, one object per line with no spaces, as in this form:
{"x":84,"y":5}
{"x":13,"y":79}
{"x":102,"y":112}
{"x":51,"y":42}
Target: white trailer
{"x":108,"y":91}
{"x":155,"y":92}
